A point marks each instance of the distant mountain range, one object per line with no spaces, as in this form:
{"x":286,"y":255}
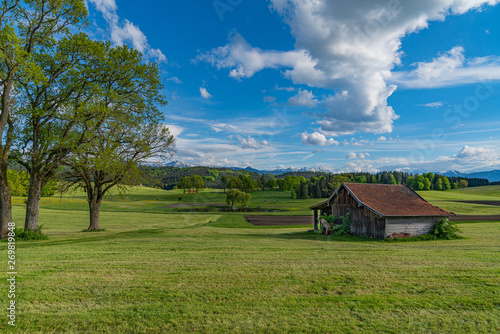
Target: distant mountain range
{"x":284,"y":170}
{"x":492,"y":176}
{"x":181,"y":164}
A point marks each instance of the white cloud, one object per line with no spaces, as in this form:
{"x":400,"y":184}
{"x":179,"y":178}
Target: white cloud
{"x":466,"y":160}
{"x":381,"y":139}
{"x":288,"y":89}
{"x":349,"y":48}
{"x":352,"y":156}
{"x":469,"y":154}
{"x":432,"y":104}
{"x":251,"y":143}
{"x":174,"y":80}
{"x":303,"y":98}
{"x":175,"y":130}
{"x":317,"y":138}
{"x":123,"y":31}
{"x":245,"y":60}
{"x":204,"y":93}
{"x":450,"y":69}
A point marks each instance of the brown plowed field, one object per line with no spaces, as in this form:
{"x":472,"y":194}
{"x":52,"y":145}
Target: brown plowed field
{"x":464,"y":218}
{"x":494,"y":203}
{"x":279,"y":220}
{"x":190,"y":205}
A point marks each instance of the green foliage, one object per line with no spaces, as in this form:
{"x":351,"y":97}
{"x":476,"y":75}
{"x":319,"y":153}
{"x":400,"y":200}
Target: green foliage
{"x":50,"y":188}
{"x":293,"y":194}
{"x":360,"y":179}
{"x":197,"y":182}
{"x":271,"y":184}
{"x":445,"y":230}
{"x":18,"y":182}
{"x":235,"y":196}
{"x":426,"y":184}
{"x":342,"y":229}
{"x":27,"y":235}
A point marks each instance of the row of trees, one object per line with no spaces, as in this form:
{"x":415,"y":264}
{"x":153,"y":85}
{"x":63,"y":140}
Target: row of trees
{"x":72,"y":108}
{"x":430,"y":181}
{"x":324,"y":185}
{"x":191,"y":183}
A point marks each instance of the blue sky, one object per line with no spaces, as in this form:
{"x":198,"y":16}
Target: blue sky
{"x":364,"y":85}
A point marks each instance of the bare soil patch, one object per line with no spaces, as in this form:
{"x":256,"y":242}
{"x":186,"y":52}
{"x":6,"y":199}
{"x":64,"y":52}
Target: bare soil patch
{"x":279,"y":220}
{"x":466,"y":218}
{"x":494,"y":203}
{"x":189,"y":205}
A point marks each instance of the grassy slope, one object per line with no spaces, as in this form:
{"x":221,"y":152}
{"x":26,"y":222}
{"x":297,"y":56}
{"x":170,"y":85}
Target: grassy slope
{"x":158,"y":271}
{"x":450,"y":200}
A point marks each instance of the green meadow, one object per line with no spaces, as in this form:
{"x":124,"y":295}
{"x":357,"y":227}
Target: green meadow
{"x":158,"y":270}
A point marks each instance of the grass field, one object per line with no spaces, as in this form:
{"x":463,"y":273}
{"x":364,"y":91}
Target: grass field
{"x":155,"y":270}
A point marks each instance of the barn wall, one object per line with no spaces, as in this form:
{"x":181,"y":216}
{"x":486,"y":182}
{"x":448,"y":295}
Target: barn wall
{"x":363,"y":221}
{"x":412,"y":225}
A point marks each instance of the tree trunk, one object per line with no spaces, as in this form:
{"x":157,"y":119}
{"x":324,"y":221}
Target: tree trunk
{"x":5,"y":201}
{"x":33,"y":205}
{"x":95,"y":208}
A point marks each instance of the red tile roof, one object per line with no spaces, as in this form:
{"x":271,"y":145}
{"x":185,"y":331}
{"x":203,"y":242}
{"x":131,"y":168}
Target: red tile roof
{"x":393,"y":200}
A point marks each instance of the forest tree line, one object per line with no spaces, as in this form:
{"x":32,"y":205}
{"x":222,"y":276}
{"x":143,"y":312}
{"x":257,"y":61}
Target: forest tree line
{"x":322,"y":185}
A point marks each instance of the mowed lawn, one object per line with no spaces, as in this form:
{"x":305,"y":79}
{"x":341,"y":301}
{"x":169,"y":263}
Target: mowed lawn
{"x":155,"y":270}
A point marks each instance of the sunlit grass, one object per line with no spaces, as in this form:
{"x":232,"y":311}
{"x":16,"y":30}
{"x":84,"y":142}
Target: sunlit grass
{"x":157,"y":271}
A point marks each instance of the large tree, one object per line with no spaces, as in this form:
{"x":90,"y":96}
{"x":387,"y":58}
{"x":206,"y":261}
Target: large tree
{"x":89,"y":83}
{"x":26,"y":27}
{"x":112,"y":157}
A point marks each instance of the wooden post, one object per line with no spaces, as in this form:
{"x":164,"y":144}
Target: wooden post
{"x":315,"y":220}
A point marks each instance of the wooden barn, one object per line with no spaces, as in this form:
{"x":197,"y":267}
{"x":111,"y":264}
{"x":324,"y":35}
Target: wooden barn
{"x":380,"y":210}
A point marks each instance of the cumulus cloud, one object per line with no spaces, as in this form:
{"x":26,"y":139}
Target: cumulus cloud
{"x":349,"y":48}
{"x":304,"y":98}
{"x":449,"y":69}
{"x":252,"y":143}
{"x":124,"y":31}
{"x":468,"y":153}
{"x":245,"y":60}
{"x":352,"y":156}
{"x":204,"y":93}
{"x":317,"y":138}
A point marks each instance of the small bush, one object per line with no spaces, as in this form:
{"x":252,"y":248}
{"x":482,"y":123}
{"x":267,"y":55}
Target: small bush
{"x":27,"y":235}
{"x":445,"y":230}
{"x":342,"y":229}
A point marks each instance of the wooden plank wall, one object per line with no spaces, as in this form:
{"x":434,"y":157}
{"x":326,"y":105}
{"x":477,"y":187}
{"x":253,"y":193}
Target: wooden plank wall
{"x":363,"y":221}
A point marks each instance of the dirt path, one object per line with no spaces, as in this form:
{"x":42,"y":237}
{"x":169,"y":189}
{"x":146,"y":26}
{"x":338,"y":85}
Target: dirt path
{"x":279,"y":220}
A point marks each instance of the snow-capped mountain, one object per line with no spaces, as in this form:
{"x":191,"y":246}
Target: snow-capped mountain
{"x":179,"y":164}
